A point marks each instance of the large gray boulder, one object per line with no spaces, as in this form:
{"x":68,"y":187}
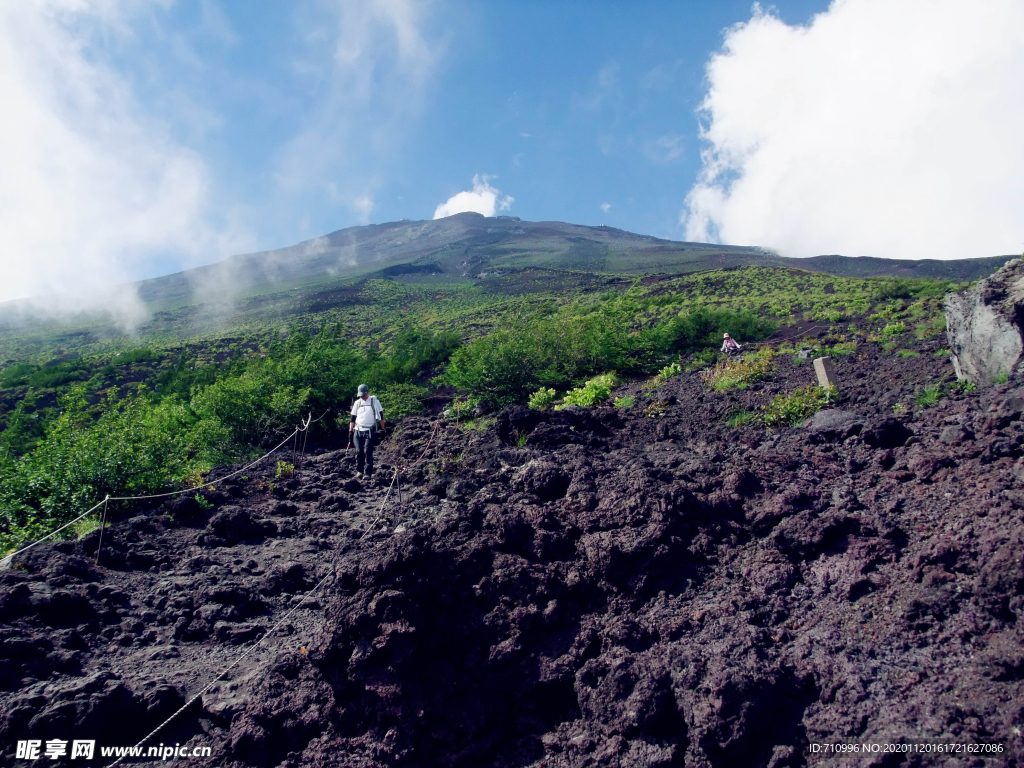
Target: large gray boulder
{"x":984,"y":326}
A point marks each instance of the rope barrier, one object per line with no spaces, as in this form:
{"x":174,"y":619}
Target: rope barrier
{"x":279,"y":624}
{"x":271,"y":631}
{"x":103,"y":527}
{"x":230,"y":666}
{"x":210,"y":484}
{"x":245,"y":654}
{"x":53,"y":533}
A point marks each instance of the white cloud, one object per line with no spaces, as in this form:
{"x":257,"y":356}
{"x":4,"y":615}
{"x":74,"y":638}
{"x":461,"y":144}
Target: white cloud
{"x":364,"y":206}
{"x":605,"y":88}
{"x":373,"y":61}
{"x":884,"y":127}
{"x":605,"y":207}
{"x":92,"y":188}
{"x":665,"y":149}
{"x":483,"y":199}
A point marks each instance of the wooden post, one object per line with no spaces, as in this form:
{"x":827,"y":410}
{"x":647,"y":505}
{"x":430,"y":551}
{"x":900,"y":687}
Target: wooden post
{"x":826,"y":373}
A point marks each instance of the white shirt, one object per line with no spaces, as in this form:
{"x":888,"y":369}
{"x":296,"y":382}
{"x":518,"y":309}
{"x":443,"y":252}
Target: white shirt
{"x":367,"y":412}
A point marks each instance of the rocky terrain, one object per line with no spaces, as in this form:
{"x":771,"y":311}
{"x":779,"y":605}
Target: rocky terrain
{"x":589,"y":587}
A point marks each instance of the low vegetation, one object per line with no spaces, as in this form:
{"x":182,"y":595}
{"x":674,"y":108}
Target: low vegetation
{"x":801,"y":404}
{"x":742,"y":372}
{"x":595,"y":391}
{"x":153,"y":412}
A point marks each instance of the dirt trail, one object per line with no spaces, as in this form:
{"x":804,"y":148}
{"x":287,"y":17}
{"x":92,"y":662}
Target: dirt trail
{"x":592,"y":587}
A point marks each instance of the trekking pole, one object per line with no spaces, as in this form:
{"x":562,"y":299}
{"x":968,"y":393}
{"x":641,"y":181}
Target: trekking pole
{"x":398,"y":485}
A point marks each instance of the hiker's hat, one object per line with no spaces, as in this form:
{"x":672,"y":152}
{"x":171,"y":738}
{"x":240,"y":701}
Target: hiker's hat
{"x":725,"y":335}
{"x":363,"y":389}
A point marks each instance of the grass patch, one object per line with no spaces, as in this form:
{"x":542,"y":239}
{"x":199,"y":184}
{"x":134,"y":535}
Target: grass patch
{"x":479,"y":424}
{"x":741,"y":418}
{"x":625,"y":402}
{"x":791,"y":409}
{"x":907,"y":353}
{"x":944,"y":352}
{"x":929,"y":395}
{"x":85,"y":525}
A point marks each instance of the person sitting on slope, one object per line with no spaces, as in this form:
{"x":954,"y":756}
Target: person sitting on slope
{"x":729,"y":345}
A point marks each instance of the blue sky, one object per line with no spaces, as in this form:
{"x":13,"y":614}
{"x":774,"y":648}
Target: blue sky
{"x":149,"y":137}
{"x":566,"y":106}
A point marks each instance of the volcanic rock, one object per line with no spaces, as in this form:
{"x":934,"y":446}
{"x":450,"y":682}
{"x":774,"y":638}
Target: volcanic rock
{"x":984,"y":326}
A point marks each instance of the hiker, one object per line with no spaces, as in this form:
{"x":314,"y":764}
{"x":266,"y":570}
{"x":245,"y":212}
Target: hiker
{"x":367,"y":415}
{"x":729,"y":344}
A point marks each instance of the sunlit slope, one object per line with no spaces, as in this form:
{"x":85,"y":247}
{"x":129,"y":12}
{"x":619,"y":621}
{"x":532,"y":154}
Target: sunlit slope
{"x":468,"y":245}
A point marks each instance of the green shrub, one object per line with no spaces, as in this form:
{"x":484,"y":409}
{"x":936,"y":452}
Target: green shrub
{"x":542,"y":399}
{"x":801,"y":404}
{"x":17,"y":374}
{"x":894,"y":288}
{"x":284,"y":469}
{"x":666,"y":373}
{"x":894,"y":329}
{"x":131,"y":448}
{"x":255,"y":408}
{"x":963,"y":385}
{"x":595,"y":391}
{"x":943,"y":352}
{"x":625,"y":402}
{"x":739,"y":374}
{"x":576,"y":342}
{"x":401,"y":400}
{"x":703,"y":359}
{"x":843,"y":348}
{"x":141,"y":355}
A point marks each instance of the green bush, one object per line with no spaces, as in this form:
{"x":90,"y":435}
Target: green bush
{"x":787,"y":410}
{"x":666,"y":373}
{"x":17,"y":374}
{"x":552,"y":351}
{"x":401,"y":400}
{"x":894,"y":288}
{"x":706,"y":357}
{"x":843,"y":348}
{"x":131,"y":448}
{"x":739,"y":374}
{"x":542,"y":398}
{"x":894,"y":329}
{"x":256,"y":408}
{"x":595,"y":391}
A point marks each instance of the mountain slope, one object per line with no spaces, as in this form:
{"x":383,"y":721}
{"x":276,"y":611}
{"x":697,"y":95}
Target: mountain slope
{"x":468,"y":244}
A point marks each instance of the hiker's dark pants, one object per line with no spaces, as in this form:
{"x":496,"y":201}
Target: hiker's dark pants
{"x":364,"y":441}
